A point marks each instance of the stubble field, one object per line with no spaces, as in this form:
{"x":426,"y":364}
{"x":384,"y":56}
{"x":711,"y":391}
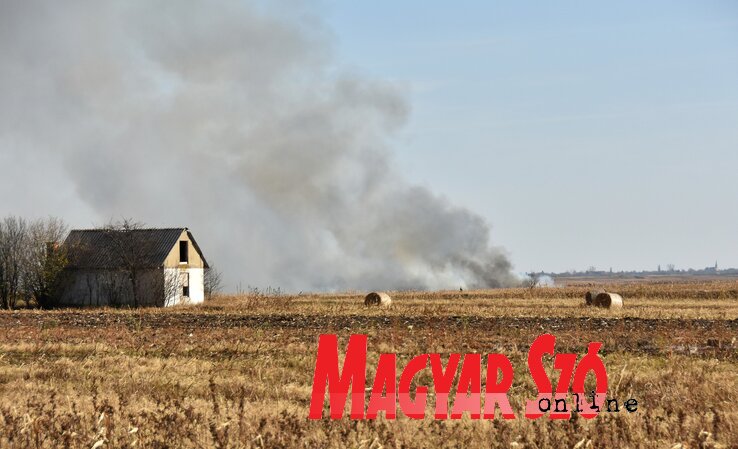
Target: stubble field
{"x":237,"y":371}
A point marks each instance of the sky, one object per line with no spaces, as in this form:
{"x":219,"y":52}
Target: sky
{"x":587,"y":134}
{"x":326,"y":145}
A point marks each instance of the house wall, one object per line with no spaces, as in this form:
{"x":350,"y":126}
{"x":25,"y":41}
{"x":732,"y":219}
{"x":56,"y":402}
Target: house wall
{"x":197,"y":285}
{"x":195,"y":261}
{"x":173,"y":269}
{"x":112,"y":288}
{"x":174,"y":286}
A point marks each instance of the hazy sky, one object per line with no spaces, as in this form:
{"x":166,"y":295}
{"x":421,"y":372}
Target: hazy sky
{"x":345,"y":145}
{"x":600,"y":134}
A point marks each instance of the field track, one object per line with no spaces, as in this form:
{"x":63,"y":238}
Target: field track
{"x":711,"y":337}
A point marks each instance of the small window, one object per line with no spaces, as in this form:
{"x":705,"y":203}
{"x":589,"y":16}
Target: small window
{"x":185,"y":279}
{"x":183,"y":252}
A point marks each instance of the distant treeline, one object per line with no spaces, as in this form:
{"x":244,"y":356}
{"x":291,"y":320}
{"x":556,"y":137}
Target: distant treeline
{"x":709,"y":271}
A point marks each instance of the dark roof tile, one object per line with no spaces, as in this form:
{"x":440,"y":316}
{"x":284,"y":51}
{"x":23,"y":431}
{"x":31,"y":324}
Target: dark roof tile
{"x":110,"y":249}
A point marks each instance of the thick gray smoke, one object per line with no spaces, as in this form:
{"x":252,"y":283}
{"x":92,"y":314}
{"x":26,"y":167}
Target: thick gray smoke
{"x":228,"y":117}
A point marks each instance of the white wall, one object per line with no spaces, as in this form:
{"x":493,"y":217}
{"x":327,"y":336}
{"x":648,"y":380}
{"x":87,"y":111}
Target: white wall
{"x":197,"y":285}
{"x":174,"y":287}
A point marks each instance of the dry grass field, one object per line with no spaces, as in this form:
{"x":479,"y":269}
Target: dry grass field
{"x":237,"y":371}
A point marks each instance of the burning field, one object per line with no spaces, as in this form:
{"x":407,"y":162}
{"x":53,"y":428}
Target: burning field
{"x":346,"y":146}
{"x":238,"y":371}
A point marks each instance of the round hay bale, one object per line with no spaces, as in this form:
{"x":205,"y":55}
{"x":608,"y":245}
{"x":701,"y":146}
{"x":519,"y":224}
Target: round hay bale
{"x":609,"y":300}
{"x":589,"y":298}
{"x":378,"y":299}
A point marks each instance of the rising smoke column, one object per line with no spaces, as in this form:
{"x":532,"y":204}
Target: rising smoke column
{"x":228,"y":117}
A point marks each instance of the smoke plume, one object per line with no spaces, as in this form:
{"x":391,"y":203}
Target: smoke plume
{"x":231,"y":118}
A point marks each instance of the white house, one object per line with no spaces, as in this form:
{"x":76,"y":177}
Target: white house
{"x":133,"y":267}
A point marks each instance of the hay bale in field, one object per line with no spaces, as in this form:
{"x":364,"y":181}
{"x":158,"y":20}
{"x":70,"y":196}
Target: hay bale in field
{"x":378,"y":299}
{"x":609,"y":300}
{"x":589,"y":298}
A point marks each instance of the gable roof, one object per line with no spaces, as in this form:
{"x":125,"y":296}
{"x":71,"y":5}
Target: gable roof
{"x":112,"y":249}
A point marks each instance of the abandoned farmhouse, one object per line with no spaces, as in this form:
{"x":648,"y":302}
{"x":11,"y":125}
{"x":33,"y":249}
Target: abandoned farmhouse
{"x":137,"y":267}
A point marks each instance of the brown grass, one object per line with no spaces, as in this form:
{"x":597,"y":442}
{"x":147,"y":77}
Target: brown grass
{"x":237,"y":371}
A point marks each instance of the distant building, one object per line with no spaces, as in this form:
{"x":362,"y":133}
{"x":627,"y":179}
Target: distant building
{"x":135,"y":267}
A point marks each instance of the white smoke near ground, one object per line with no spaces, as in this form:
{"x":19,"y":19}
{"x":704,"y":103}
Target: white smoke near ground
{"x":229,"y":117}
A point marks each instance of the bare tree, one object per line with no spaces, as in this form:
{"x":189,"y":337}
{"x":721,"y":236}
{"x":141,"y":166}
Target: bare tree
{"x":532,"y":280}
{"x":45,"y":261}
{"x":13,"y":240}
{"x":170,"y":288}
{"x":213,"y":281}
{"x":31,"y":260}
{"x":129,"y":251}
